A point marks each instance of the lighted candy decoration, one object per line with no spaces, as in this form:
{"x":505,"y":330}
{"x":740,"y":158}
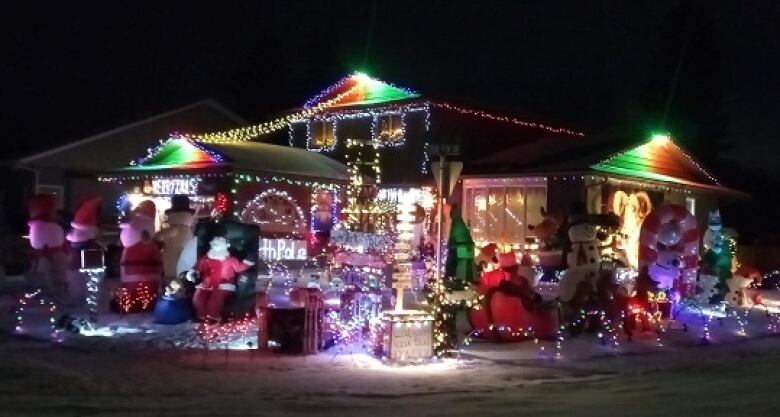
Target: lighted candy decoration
{"x":669,"y":246}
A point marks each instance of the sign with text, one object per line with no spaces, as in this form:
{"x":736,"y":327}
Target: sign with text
{"x":282,"y":250}
{"x":411,"y":341}
{"x":172,"y":186}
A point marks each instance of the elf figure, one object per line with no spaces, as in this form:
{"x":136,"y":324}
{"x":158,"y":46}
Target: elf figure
{"x":175,"y":236}
{"x":47,"y":240}
{"x":217,"y":272}
{"x":141,"y":262}
{"x":82,"y":237}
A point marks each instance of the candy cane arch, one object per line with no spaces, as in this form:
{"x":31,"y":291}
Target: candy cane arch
{"x":671,"y":215}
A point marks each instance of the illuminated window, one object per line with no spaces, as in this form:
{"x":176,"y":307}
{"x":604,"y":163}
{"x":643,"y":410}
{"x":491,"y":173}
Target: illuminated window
{"x":390,"y":128}
{"x":690,"y":204}
{"x":499,"y":211}
{"x":323,"y":135}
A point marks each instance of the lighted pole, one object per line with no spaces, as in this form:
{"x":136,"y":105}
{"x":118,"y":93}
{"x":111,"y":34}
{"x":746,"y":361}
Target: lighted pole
{"x":442,"y":174}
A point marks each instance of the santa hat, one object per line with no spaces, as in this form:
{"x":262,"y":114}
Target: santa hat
{"x":146,"y":209}
{"x":41,"y":207}
{"x":86,"y":217}
{"x":507,"y":260}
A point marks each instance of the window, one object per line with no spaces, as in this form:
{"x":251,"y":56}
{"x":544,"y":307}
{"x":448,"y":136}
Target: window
{"x":690,"y":204}
{"x":499,"y":211}
{"x":390,"y":128}
{"x":322,"y":134}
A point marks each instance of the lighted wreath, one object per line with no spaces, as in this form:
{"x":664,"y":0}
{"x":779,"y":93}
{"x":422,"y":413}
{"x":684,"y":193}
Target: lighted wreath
{"x":275,"y":212}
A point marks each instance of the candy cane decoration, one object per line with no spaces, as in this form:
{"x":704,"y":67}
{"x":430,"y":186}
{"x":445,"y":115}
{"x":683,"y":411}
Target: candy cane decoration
{"x":676,"y":224}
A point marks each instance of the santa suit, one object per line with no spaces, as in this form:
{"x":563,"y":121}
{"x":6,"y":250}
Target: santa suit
{"x":174,"y":238}
{"x":141,"y":265}
{"x":218,"y":282}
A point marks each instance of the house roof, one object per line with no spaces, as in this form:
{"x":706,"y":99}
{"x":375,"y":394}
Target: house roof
{"x":659,"y":159}
{"x":359,"y":89}
{"x":183,"y":154}
{"x":111,"y":149}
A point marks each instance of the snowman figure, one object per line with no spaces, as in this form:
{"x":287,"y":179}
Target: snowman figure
{"x":179,"y":220}
{"x":713,"y":236}
{"x":47,"y":240}
{"x":584,"y":259}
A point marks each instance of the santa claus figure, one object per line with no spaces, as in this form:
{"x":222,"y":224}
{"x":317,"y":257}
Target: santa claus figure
{"x":84,"y":231}
{"x":47,"y":240}
{"x":217,"y":272}
{"x":174,"y":237}
{"x":141,"y":262}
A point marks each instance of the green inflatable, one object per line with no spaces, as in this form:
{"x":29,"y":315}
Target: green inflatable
{"x":460,"y":270}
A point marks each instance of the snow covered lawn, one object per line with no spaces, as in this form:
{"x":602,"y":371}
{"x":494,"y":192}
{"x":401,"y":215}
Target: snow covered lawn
{"x":47,"y":379}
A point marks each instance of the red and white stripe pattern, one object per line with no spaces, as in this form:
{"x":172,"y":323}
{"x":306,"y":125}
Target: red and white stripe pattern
{"x":688,"y":246}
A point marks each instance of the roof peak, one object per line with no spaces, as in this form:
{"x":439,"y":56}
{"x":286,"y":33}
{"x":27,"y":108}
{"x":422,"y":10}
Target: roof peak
{"x":359,"y":88}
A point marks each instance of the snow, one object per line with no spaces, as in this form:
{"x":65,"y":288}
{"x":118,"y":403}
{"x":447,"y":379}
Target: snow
{"x":149,"y":369}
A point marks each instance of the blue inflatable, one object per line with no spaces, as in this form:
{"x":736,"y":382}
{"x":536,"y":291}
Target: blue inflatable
{"x":172,"y":310}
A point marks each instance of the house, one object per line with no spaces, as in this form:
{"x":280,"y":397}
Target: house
{"x":512,"y":167}
{"x":70,"y":171}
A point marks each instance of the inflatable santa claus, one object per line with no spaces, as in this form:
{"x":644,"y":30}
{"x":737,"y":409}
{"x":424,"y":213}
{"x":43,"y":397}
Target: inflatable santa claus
{"x":174,"y":237}
{"x":141,"y":262}
{"x":217,"y":272}
{"x":47,"y":240}
{"x":511,"y":310}
{"x":84,"y":231}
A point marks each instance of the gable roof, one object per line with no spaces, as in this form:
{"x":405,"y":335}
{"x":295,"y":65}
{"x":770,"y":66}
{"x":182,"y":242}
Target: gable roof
{"x":360,"y":89}
{"x":659,"y":159}
{"x":181,"y":153}
{"x":111,"y":149}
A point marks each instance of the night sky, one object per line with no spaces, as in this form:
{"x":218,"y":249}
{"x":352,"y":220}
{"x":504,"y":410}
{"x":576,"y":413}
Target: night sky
{"x":72,"y":69}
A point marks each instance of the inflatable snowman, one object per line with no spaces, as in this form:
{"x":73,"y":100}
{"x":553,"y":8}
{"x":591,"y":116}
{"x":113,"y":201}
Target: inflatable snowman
{"x":179,"y":220}
{"x":584,"y":259}
{"x":47,"y":240}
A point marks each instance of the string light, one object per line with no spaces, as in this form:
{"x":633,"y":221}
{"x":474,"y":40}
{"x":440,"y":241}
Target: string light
{"x":250,"y":132}
{"x":262,"y":210}
{"x":95,"y":276}
{"x":648,"y":167}
{"x":178,"y":149}
{"x":139,"y":298}
{"x":486,"y":115}
{"x":24,"y":304}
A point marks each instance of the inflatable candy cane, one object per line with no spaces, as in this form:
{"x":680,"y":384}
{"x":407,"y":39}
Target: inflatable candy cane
{"x":669,"y":246}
